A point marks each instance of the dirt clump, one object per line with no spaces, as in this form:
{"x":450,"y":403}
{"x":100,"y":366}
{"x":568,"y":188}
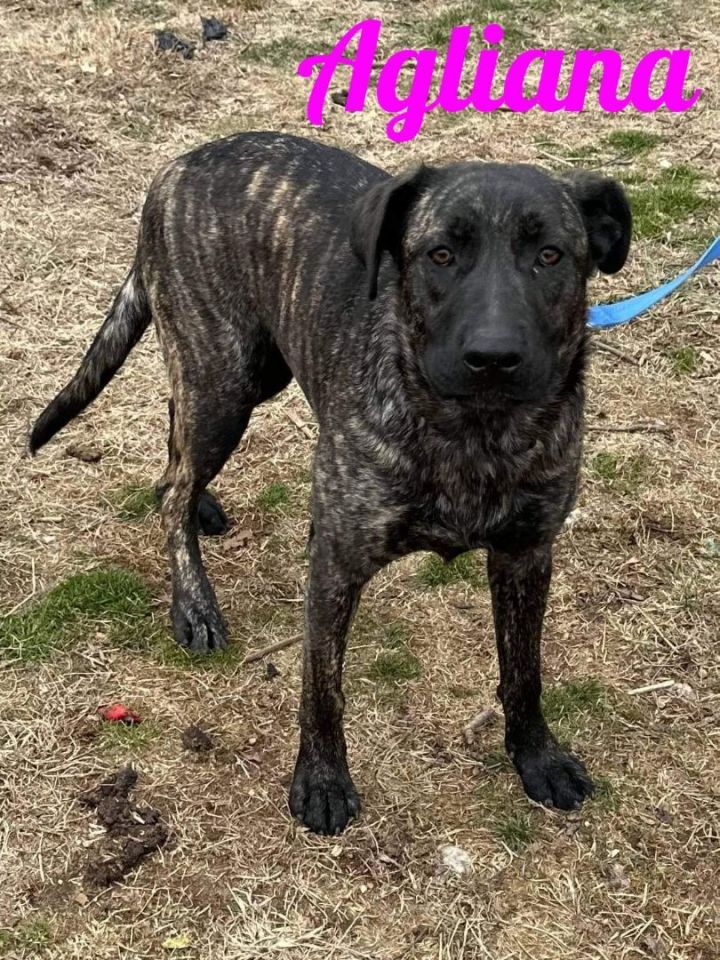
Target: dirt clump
{"x":133,"y":832}
{"x":196,"y":739}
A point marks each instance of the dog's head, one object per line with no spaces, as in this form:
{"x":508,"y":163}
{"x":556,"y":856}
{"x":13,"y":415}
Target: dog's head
{"x":493,"y":262}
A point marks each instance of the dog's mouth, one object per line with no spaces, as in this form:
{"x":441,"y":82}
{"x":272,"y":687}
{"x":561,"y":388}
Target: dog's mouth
{"x":485,"y":393}
{"x":486,"y":397}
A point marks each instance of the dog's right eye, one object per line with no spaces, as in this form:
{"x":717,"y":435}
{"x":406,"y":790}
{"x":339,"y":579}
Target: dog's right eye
{"x":441,"y":256}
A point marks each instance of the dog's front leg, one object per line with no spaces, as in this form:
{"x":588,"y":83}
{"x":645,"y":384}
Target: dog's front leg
{"x":519,"y":585}
{"x":322,"y":795}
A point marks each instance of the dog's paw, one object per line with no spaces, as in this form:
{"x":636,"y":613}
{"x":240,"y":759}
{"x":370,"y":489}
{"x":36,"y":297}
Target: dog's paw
{"x":198,"y":625}
{"x":554,"y":778}
{"x":212,"y":519}
{"x":322,"y":797}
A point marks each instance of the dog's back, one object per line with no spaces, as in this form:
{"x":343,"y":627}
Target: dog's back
{"x":244,"y":230}
{"x":269,"y":210}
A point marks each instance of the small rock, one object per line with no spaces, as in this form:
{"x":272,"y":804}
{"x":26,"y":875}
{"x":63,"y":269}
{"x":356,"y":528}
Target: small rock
{"x":711,"y":548}
{"x":240,"y":538}
{"x":339,"y":97}
{"x":615,"y":876}
{"x":271,"y":671}
{"x":575,"y":516}
{"x":652,"y":945}
{"x":684,"y":691}
{"x":213,"y":29}
{"x":196,"y":739}
{"x":663,"y":815}
{"x":455,"y":860}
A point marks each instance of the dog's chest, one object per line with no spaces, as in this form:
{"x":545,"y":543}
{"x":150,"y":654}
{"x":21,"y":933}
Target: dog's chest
{"x":466,"y":505}
{"x":455,"y":516}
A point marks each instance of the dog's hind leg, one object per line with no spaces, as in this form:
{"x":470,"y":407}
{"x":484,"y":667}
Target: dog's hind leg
{"x":212,"y":519}
{"x":203,"y":439}
{"x":214,"y":393}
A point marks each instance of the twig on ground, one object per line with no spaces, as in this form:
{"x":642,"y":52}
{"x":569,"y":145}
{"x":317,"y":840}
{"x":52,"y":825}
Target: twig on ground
{"x":482,"y":719}
{"x":272,"y":648}
{"x":616,"y":352}
{"x":552,"y":156}
{"x":620,"y":160}
{"x":642,"y":426}
{"x":294,"y":418}
{"x":651,"y":687}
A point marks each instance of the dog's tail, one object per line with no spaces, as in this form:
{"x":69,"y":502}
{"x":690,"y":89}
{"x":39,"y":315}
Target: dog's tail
{"x":126,"y":322}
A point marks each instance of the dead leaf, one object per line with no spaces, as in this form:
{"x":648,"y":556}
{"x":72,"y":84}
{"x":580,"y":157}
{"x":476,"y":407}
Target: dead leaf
{"x":180,"y":941}
{"x":239,"y":540}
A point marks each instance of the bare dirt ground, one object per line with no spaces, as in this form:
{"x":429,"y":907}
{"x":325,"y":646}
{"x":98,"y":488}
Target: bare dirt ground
{"x":89,"y":113}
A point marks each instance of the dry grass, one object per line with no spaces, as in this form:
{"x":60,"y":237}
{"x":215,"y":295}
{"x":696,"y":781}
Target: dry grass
{"x":89,"y":114}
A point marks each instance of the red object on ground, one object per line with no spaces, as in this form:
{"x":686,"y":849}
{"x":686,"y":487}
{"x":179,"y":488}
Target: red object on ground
{"x":119,"y":713}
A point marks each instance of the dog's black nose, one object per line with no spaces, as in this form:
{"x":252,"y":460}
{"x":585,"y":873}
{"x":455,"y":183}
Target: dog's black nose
{"x":492,"y":360}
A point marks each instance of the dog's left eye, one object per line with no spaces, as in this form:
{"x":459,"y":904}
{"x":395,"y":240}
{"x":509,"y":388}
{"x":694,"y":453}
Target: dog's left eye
{"x":441,"y":256}
{"x":549,"y":256}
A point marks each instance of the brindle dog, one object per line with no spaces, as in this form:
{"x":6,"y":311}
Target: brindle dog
{"x":436,"y":324}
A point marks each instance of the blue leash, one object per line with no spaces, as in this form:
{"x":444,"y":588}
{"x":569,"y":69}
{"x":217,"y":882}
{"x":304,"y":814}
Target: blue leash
{"x":614,"y":314}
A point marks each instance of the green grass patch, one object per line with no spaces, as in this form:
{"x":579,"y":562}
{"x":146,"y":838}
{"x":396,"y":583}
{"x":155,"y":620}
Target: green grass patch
{"x":689,"y":595}
{"x":222,"y":661}
{"x":627,"y":6}
{"x":633,"y":141}
{"x":129,"y":737}
{"x":135,"y":502}
{"x":600,"y":34}
{"x":283,"y":51}
{"x":605,"y":466}
{"x":684,"y":360}
{"x":140,"y":130}
{"x":395,"y":666}
{"x":571,"y":701}
{"x":394,"y":635}
{"x":557,"y":155}
{"x":467,"y":568}
{"x":516,"y":831}
{"x":435,"y":32}
{"x":275,"y":496}
{"x":667,"y":201}
{"x":626,"y":475}
{"x":606,"y":795}
{"x":150,"y":10}
{"x":497,"y":761}
{"x":114,"y":600}
{"x":32,"y":937}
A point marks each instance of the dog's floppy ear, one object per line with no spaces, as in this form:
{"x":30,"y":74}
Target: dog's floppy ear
{"x":608,"y":220}
{"x":378,"y":221}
